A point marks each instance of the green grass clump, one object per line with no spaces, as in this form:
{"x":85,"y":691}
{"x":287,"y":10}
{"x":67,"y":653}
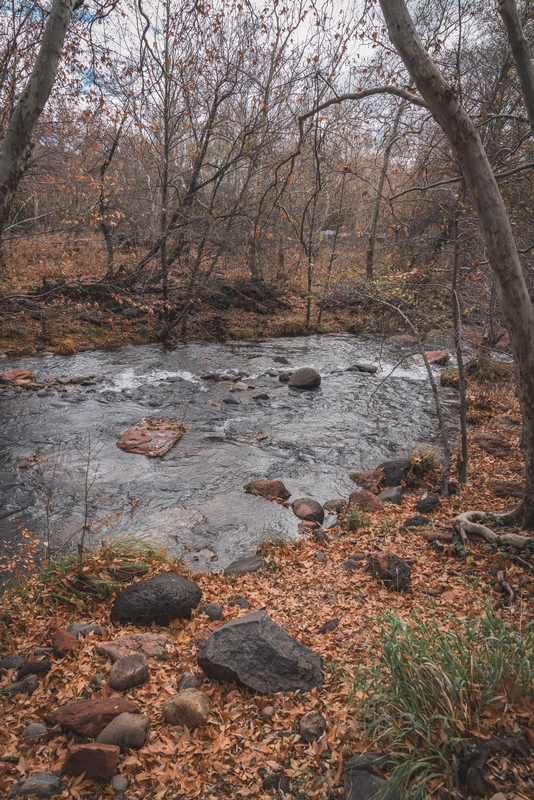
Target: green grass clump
{"x":354,"y":519}
{"x":423,"y":462}
{"x":429,"y":687}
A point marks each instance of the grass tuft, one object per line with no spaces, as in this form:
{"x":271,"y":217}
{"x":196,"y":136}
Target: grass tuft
{"x":425,"y":697}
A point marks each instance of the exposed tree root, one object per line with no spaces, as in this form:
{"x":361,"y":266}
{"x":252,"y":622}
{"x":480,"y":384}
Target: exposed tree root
{"x":467,"y":524}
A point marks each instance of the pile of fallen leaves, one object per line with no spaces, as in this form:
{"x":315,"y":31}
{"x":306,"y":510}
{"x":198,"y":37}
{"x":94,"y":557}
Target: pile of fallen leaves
{"x":234,"y":753}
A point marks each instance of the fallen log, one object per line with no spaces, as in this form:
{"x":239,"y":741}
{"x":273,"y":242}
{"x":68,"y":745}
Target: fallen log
{"x":468,"y":524}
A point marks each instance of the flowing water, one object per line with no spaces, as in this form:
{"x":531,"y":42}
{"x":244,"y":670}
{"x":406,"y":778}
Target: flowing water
{"x":192,"y":500}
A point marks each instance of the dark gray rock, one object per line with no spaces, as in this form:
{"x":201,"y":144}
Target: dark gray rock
{"x":83,"y":629}
{"x":360,"y":785}
{"x":41,"y":784}
{"x":260,"y":655}
{"x":262,"y":396}
{"x":395,"y":471}
{"x":284,"y":377}
{"x":12,"y":661}
{"x":311,"y":726}
{"x":220,"y":300}
{"x":280,"y":360}
{"x":335,"y":505}
{"x":305,"y":378}
{"x":160,"y":599}
{"x":188,"y":681}
{"x":427,"y":503}
{"x":213,"y":610}
{"x":350,"y":565}
{"x":393,"y":495}
{"x":417,"y":522}
{"x":27,"y":685}
{"x":232,"y":401}
{"x":34,"y":730}
{"x":241,"y":602}
{"x":320,"y":557}
{"x":308,"y":509}
{"x":367,"y":761}
{"x":128,"y":672}
{"x":243,"y":565}
{"x":392,"y":570}
{"x":130,"y":313}
{"x":34,"y":668}
{"x":369,"y":368}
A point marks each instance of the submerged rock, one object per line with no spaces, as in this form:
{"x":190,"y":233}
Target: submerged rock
{"x":305,"y":378}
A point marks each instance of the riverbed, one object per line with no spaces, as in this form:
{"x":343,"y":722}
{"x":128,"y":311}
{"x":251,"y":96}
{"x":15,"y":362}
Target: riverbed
{"x":59,"y":444}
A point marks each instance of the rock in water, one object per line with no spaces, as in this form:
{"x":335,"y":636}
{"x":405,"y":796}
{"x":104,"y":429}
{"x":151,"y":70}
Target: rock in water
{"x":160,"y":599}
{"x":260,"y":655}
{"x":268,"y":488}
{"x":308,"y":509}
{"x":305,"y":378}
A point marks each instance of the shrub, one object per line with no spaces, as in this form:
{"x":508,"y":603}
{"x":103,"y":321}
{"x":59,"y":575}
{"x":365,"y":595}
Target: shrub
{"x":354,"y":519}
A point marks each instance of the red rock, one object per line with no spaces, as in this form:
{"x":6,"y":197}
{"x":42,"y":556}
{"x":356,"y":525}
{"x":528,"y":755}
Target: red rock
{"x":98,"y":761}
{"x":268,"y":488}
{"x":150,"y":439}
{"x":405,"y":338}
{"x":366,"y":501}
{"x":14,"y":375}
{"x":506,"y":423}
{"x":64,"y":642}
{"x":89,"y":717}
{"x":493,"y":443}
{"x":370,"y":480}
{"x":150,"y":644}
{"x":507,"y":489}
{"x":435,"y":357}
{"x":189,"y":707}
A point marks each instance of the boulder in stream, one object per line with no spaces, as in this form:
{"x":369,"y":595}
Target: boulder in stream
{"x":304,"y":378}
{"x":152,"y":439}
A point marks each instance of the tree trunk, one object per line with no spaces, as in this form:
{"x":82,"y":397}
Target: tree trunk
{"x":17,"y":145}
{"x":493,"y":218}
{"x":519,"y":47}
{"x":370,"y":259}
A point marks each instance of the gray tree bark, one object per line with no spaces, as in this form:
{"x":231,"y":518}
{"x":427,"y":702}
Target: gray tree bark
{"x":493,"y":219}
{"x":17,"y":144}
{"x":519,"y":47}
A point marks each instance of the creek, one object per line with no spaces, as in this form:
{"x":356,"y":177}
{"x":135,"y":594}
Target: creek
{"x":59,"y":445}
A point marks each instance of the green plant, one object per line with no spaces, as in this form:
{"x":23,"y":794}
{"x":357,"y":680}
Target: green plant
{"x":450,"y":377}
{"x":387,"y":526}
{"x":354,"y":519}
{"x":423,"y":462}
{"x":429,"y":687}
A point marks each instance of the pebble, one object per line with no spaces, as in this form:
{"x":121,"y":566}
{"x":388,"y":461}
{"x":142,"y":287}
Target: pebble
{"x":350,"y":565}
{"x":320,"y":557}
{"x":34,"y":730}
{"x":241,"y":602}
{"x":119,"y":783}
{"x":267,"y":713}
{"x":213,"y":610}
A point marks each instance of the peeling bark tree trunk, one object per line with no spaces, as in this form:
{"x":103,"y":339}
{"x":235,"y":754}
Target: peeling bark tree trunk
{"x":17,"y":145}
{"x":494,"y":223}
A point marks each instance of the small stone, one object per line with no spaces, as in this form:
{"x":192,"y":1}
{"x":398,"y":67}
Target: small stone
{"x":83,"y":629}
{"x":34,"y":730}
{"x":280,"y":360}
{"x":240,"y":386}
{"x":357,"y":556}
{"x":427,"y":503}
{"x":42,"y":651}
{"x":150,"y":644}
{"x":128,"y":672}
{"x":393,"y":495}
{"x":128,"y":731}
{"x":284,"y":377}
{"x":244,"y":565}
{"x":312,"y":726}
{"x":40,"y":784}
{"x":119,"y":783}
{"x":320,"y":557}
{"x":417,"y":522}
{"x":331,"y":625}
{"x":335,"y":506}
{"x":98,"y":761}
{"x":267,"y":713}
{"x":12,"y":661}
{"x":27,"y":685}
{"x":97,"y":680}
{"x":308,"y":509}
{"x":241,"y":602}
{"x":188,"y":681}
{"x":350,"y":565}
{"x":130,"y":313}
{"x":213,"y":610}
{"x":34,"y":668}
{"x":261,"y":396}
{"x":189,"y":707}
{"x":305,"y":378}
{"x":90,"y":717}
{"x":231,"y":401}
{"x":390,"y":569}
{"x":366,"y":501}
{"x":371,"y":369}
{"x":64,"y":642}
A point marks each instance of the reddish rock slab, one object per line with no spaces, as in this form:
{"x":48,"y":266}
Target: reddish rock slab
{"x":268,"y":488}
{"x":150,"y":644}
{"x":14,"y":375}
{"x":370,"y":480}
{"x":493,"y":443}
{"x":366,"y":501}
{"x":150,"y":439}
{"x":89,"y":717}
{"x":507,"y":489}
{"x":98,"y":761}
{"x":439,"y":357}
{"x":64,"y":642}
{"x":404,"y":338}
{"x":506,"y":423}
{"x":390,"y":569}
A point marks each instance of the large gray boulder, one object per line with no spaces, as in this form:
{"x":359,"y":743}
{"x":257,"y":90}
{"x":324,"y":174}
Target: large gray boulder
{"x":160,"y":599}
{"x":260,"y":655}
{"x":305,"y":378}
{"x":395,"y":471}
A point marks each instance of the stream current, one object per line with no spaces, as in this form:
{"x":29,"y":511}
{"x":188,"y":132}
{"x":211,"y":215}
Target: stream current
{"x":192,"y":501}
